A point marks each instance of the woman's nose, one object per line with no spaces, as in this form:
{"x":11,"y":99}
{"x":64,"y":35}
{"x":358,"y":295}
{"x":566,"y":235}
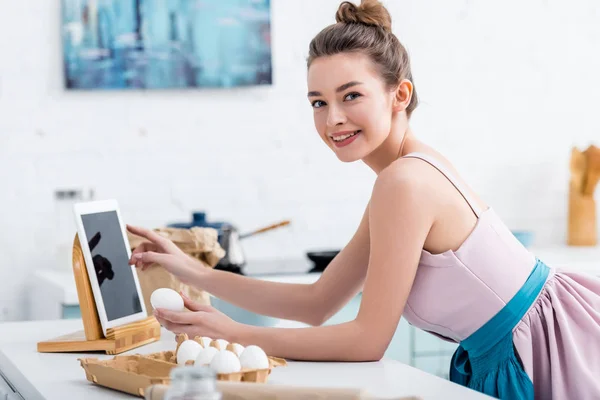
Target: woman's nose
{"x":335,"y":117}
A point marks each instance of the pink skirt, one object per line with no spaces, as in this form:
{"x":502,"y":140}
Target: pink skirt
{"x":558,"y":340}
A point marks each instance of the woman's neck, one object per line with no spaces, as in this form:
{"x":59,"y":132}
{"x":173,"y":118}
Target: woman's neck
{"x":392,"y":148}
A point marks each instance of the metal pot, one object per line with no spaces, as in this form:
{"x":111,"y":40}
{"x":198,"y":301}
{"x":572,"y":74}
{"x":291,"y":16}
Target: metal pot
{"x":230,"y":240}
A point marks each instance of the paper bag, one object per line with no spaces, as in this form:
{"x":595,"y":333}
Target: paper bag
{"x":199,"y":243}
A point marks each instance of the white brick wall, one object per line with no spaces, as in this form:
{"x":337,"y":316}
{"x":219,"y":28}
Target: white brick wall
{"x":506,"y":89}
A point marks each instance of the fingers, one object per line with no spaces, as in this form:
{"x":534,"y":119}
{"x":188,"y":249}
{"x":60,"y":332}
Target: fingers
{"x":176,"y":328}
{"x":195,"y":306}
{"x":142,"y":248}
{"x":176,"y":317}
{"x":144,"y":260}
{"x":148,"y":234}
{"x":145,"y":246}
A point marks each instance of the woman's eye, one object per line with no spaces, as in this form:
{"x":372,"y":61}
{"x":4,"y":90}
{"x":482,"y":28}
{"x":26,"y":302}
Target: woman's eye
{"x":352,"y":96}
{"x":318,"y":103}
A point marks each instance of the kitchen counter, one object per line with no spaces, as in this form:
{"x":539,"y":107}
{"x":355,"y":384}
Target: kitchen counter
{"x":570,"y":258}
{"x":37,"y":376}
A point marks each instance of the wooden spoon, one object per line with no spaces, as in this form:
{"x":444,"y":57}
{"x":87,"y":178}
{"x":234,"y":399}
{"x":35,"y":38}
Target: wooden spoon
{"x":593,"y":170}
{"x":265,"y":229}
{"x":578,"y":167}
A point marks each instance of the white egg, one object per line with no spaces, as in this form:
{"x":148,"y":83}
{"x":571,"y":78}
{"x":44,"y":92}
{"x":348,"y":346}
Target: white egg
{"x":225,"y":362}
{"x":167,"y":298}
{"x":253,"y":357}
{"x":188,"y":350}
{"x":206,"y":341}
{"x":220,"y":344}
{"x":236,"y":348}
{"x":206,"y":356}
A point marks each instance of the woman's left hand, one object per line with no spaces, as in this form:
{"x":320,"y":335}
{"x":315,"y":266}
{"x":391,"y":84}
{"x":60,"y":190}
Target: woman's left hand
{"x":204,"y":320}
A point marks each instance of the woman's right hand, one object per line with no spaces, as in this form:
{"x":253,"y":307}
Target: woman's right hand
{"x":162,"y":251}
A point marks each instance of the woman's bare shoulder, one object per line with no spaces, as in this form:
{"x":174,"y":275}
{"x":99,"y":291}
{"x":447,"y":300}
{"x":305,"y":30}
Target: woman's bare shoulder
{"x":429,"y":175}
{"x":404,"y":182}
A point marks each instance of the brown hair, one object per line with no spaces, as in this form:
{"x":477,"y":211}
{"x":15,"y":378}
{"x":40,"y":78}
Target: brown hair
{"x":367,"y":29}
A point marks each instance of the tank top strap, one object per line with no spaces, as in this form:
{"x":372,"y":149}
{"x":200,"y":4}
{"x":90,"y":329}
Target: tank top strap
{"x":440,"y":167}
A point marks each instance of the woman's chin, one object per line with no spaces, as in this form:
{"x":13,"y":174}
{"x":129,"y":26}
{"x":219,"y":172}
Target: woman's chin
{"x":349,"y":156}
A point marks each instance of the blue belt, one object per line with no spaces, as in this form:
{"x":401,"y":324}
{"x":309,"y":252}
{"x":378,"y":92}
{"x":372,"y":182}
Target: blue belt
{"x":486,"y":360}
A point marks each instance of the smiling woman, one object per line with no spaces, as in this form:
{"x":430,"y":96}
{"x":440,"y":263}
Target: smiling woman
{"x":349,"y":49}
{"x":372,"y":72}
{"x":427,"y":248}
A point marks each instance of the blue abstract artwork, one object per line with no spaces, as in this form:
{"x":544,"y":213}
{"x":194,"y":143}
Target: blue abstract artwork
{"x":165,"y":44}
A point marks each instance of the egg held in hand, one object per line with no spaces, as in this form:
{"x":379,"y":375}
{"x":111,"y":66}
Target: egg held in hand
{"x":253,"y":357}
{"x":225,"y":362}
{"x":167,"y":298}
{"x":188,"y":351}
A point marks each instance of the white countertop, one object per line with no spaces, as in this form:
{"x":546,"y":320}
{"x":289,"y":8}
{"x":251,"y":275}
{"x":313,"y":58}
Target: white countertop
{"x":50,"y":376}
{"x":570,"y":258}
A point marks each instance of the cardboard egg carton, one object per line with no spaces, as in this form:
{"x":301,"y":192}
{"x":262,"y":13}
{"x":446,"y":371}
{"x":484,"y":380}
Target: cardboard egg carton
{"x":133,"y":374}
{"x":129,"y":374}
{"x":245,"y":375}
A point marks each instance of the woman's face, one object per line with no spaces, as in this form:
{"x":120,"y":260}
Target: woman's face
{"x":352,"y":107}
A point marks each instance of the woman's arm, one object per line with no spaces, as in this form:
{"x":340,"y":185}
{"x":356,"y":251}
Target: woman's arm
{"x":401,"y":215}
{"x":309,"y":303}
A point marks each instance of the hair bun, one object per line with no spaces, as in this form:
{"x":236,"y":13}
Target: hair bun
{"x":369,"y":12}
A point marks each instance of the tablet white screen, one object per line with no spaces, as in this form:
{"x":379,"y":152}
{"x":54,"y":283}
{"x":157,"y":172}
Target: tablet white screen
{"x":111,"y":262}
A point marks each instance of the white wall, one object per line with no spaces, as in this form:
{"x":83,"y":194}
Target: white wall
{"x":506,"y":89}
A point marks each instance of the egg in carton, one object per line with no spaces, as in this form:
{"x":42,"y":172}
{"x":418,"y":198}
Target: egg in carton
{"x":231,"y":361}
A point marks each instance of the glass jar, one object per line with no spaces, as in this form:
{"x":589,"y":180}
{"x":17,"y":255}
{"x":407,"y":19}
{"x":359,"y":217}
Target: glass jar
{"x":193,"y":383}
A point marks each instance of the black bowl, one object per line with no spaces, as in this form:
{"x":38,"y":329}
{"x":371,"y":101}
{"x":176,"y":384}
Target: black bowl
{"x":321,"y":259}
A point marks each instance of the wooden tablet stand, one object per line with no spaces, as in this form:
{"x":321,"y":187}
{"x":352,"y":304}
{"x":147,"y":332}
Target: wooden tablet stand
{"x":117,"y":340}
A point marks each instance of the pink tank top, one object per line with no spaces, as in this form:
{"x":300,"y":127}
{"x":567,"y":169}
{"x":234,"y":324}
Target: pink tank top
{"x":456,"y":292}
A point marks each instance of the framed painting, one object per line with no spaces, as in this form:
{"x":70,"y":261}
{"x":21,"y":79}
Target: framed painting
{"x":165,"y":44}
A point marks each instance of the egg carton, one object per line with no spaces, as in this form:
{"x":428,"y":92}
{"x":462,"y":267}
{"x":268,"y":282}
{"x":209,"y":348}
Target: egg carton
{"x":245,"y":375}
{"x":130,"y":374}
{"x":133,"y":374}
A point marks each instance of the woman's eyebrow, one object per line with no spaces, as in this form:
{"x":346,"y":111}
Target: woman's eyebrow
{"x":339,"y":89}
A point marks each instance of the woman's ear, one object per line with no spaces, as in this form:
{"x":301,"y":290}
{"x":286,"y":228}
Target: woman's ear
{"x":403,"y":94}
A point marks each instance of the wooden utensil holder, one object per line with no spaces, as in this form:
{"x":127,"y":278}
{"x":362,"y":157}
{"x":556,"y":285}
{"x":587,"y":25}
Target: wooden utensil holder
{"x":117,"y":340}
{"x":582,"y":229}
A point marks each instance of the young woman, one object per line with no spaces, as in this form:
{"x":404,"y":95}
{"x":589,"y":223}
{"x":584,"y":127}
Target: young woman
{"x":427,"y":248}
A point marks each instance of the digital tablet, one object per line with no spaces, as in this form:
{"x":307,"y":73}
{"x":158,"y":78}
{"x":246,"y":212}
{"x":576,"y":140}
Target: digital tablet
{"x":105,"y":246}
